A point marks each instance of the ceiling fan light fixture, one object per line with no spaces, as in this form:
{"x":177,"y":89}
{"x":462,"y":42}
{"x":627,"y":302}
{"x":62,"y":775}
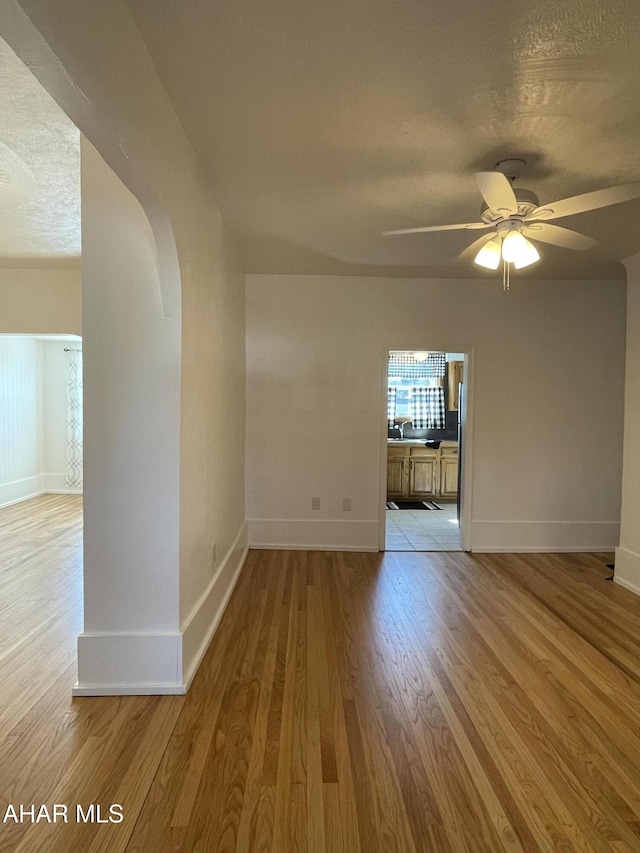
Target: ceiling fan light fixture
{"x":529,"y":255}
{"x":489,"y":255}
{"x":514,"y":245}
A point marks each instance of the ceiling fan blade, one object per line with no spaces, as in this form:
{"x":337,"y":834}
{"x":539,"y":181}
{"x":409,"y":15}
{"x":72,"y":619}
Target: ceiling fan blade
{"x":558,"y":236}
{"x":586,"y":201}
{"x":497,"y":192}
{"x":471,"y":251}
{"x":463,"y":226}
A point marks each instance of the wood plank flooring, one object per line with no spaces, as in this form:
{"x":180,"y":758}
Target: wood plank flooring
{"x":356,"y":703}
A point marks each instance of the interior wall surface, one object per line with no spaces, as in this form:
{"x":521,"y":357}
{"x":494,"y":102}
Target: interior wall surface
{"x":33,"y":417}
{"x":55,"y":370}
{"x":627,"y":561}
{"x":20,"y":416}
{"x":547,"y":396}
{"x":131,"y":366}
{"x":90,"y":56}
{"x":40,"y":301}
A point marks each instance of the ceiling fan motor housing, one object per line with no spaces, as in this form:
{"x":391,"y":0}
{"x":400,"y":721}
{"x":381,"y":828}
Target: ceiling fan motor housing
{"x":527,"y":202}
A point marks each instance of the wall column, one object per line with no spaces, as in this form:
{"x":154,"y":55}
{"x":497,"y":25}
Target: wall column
{"x":131,"y":641}
{"x":628,"y":553}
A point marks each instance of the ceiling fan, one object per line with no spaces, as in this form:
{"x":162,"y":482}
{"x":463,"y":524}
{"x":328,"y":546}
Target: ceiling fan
{"x":513,"y":215}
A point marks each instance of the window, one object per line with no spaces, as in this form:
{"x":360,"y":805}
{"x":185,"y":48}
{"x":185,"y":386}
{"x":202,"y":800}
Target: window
{"x":416,"y":392}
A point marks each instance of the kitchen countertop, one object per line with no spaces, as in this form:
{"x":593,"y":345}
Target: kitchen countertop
{"x":418,"y":442}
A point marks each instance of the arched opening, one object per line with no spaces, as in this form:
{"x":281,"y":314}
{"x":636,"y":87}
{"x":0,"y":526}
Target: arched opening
{"x":131,"y":327}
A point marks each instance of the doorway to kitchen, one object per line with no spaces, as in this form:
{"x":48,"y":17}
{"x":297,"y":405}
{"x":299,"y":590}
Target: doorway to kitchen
{"x":424,"y":390}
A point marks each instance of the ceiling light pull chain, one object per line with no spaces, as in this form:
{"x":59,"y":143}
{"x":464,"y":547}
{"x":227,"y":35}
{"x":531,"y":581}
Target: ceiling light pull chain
{"x":505,"y":276}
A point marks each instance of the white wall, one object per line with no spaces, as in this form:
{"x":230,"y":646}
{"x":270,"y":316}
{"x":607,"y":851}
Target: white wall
{"x":131,"y":363}
{"x":33,"y":417}
{"x":55,"y":368}
{"x":548,"y":388}
{"x":40,"y":301}
{"x":91,"y":58}
{"x":20,"y":418}
{"x":627,"y":561}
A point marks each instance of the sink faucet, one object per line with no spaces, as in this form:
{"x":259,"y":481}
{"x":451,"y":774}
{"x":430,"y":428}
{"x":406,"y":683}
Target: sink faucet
{"x":402,"y":426}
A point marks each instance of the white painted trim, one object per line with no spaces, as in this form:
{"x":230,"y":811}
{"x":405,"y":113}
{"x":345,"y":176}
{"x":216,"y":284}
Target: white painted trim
{"x":135,"y":664}
{"x":571,"y":549}
{"x":21,"y":490}
{"x":200,"y":625}
{"x":541,"y":521}
{"x":544,"y":536}
{"x":466,"y":450}
{"x":632,"y":587}
{"x":310,"y":534}
{"x":384,"y":423}
{"x":31,"y":487}
{"x":54,"y":484}
{"x":161,"y":664}
{"x":366,"y":549}
{"x":627,"y":569}
{"x":129,"y":690}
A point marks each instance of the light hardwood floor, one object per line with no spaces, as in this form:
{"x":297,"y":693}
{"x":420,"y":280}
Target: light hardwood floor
{"x":358,"y":703}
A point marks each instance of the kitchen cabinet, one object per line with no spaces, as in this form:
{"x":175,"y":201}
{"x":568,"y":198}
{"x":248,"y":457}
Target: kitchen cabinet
{"x":455,"y":375}
{"x":422,"y":475}
{"x":448,"y":487}
{"x":417,"y":472}
{"x":396,"y":475}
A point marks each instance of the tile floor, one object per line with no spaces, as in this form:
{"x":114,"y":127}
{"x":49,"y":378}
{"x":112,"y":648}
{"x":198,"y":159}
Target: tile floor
{"x":423,"y":530}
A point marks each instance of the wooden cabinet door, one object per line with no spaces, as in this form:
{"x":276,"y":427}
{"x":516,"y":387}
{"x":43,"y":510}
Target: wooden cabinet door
{"x":396,"y":477}
{"x":448,"y":476}
{"x":422,"y":477}
{"x":454,"y":378}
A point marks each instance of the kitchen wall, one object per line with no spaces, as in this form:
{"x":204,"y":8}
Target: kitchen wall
{"x":546,"y":385}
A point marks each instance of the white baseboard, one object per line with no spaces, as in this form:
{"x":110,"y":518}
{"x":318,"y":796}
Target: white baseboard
{"x":313,"y":535}
{"x":33,"y":487}
{"x":543,"y":536}
{"x":140,"y":664}
{"x":21,"y":490}
{"x":151,"y":664}
{"x":200,"y":626}
{"x":486,"y":536}
{"x":129,"y":690}
{"x":627,"y":569}
{"x":285,"y":546}
{"x":54,"y":484}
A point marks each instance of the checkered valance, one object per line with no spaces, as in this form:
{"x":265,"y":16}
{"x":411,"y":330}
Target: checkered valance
{"x":404,"y":366}
{"x":391,"y":407}
{"x":427,"y":408}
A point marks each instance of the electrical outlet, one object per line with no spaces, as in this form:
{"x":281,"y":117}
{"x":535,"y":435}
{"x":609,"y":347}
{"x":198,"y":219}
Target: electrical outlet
{"x":346,"y":504}
{"x":315,"y":503}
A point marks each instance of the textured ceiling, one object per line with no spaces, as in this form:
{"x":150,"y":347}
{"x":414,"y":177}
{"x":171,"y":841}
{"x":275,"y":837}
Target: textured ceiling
{"x":323,"y":124}
{"x":39,"y":171}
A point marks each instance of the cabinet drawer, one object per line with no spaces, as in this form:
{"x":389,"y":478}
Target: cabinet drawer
{"x":395,"y":450}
